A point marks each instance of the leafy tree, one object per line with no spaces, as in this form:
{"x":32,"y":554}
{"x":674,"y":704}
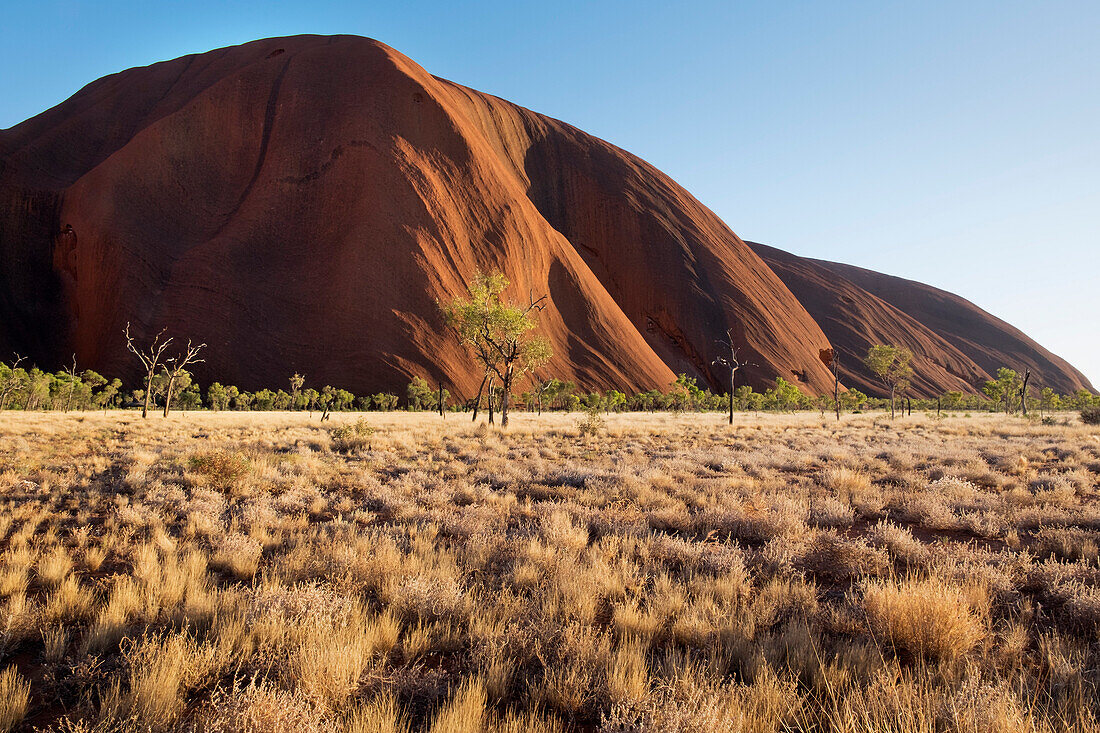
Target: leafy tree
{"x":1081,"y":399}
{"x":38,"y":389}
{"x":891,"y":364}
{"x":296,"y":383}
{"x":498,"y":332}
{"x":1004,"y":387}
{"x":853,"y":399}
{"x":311,"y":397}
{"x":189,"y":397}
{"x":342,"y":399}
{"x":615,"y":400}
{"x":107,"y":396}
{"x":328,"y":394}
{"x":283,"y":401}
{"x":241,"y":400}
{"x":384,"y":401}
{"x":421,"y":395}
{"x":951,"y":399}
{"x":12,"y":378}
{"x":217,"y":396}
{"x":787,"y":395}
{"x":1048,"y":399}
{"x":263,"y":400}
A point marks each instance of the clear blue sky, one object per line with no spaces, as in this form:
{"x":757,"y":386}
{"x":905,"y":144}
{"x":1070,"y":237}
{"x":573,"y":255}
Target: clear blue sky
{"x":957,"y":143}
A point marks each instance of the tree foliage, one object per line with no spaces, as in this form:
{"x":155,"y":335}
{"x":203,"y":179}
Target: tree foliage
{"x":499,"y":333}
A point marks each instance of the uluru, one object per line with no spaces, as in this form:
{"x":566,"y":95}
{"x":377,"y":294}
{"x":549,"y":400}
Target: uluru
{"x":302,"y":204}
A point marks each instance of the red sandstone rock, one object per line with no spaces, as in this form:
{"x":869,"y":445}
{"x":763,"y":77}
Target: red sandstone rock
{"x":301,"y":203}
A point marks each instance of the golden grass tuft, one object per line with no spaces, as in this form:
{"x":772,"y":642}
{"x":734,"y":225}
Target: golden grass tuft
{"x":15,"y":695}
{"x":928,"y":618}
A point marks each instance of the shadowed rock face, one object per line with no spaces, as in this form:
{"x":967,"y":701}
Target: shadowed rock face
{"x":300,"y":204}
{"x":955,"y":344}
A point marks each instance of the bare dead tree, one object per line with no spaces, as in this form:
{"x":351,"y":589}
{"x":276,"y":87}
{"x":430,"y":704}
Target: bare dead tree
{"x":831,"y":360}
{"x":11,"y":382}
{"x":150,"y":358}
{"x":441,"y":414}
{"x":1023,"y":391}
{"x":733,"y":363}
{"x":71,"y":371}
{"x":175,"y":366}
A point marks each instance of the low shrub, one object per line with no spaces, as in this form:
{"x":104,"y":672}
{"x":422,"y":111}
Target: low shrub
{"x":592,"y":422}
{"x":351,"y":438}
{"x":1090,"y":416}
{"x":222,"y":469}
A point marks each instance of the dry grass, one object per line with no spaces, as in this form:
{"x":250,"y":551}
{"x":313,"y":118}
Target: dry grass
{"x":14,"y":698}
{"x":260,"y":572}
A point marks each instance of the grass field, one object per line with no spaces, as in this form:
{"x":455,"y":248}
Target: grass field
{"x":253,"y":572}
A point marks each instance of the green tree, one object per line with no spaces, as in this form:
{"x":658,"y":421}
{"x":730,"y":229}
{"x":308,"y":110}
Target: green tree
{"x":217,"y":396}
{"x":296,"y":382}
{"x":787,"y":395}
{"x":951,"y":399}
{"x":421,"y":395}
{"x":242,"y":400}
{"x":498,"y":332}
{"x":385,"y":401}
{"x":311,"y":397}
{"x":263,"y":400}
{"x":891,"y":364}
{"x":108,"y":395}
{"x":12,"y":379}
{"x":1002,"y":389}
{"x":189,"y":397}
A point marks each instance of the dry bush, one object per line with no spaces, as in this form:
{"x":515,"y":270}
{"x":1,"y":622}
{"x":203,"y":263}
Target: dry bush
{"x":220,"y":469}
{"x":926,"y":618}
{"x":380,"y":715}
{"x":15,"y":693}
{"x":162,"y":670}
{"x":465,"y":711}
{"x":352,"y":438}
{"x":260,"y":707}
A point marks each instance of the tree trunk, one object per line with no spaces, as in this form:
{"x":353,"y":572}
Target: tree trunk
{"x":836,"y":388}
{"x":477,"y":401}
{"x":168,"y":395}
{"x":490,"y":400}
{"x":1023,"y":392}
{"x":733,"y":375}
{"x":891,"y":402}
{"x":506,"y":384}
{"x":441,"y":400}
{"x":148,"y":391}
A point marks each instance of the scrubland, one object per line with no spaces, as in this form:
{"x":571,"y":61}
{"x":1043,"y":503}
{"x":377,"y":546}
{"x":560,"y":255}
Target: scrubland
{"x":249,"y":572}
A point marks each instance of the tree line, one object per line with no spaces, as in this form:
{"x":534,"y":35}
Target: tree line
{"x":501,"y":337}
{"x":23,"y":388}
